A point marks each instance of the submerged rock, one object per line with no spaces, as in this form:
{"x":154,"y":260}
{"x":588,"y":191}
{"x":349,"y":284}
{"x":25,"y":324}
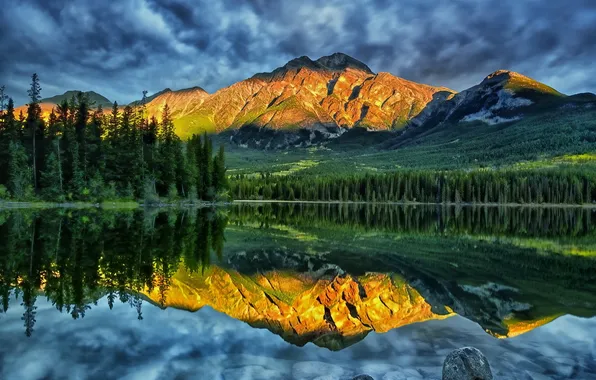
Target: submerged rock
{"x":466,"y":363}
{"x":363,"y":377}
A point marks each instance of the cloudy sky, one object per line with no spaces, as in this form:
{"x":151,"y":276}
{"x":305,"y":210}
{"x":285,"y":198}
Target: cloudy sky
{"x":119,"y":48}
{"x":176,"y":344}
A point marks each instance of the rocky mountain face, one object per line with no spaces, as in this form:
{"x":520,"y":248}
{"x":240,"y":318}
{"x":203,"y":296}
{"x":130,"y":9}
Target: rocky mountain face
{"x":502,"y":96}
{"x":332,"y":312}
{"x":181,"y":103}
{"x":323,"y":97}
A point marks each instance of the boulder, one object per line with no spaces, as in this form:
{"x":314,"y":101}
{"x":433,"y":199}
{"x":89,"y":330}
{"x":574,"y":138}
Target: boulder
{"x":466,"y":363}
{"x":363,"y":377}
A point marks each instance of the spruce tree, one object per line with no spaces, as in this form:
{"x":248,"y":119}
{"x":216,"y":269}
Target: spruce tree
{"x":34,"y":122}
{"x":220,"y":182}
{"x":201,"y":167}
{"x":208,"y":168}
{"x":3,"y":99}
{"x":51,"y":177}
{"x":167,"y":153}
{"x":8,"y":133}
{"x":20,"y":173}
{"x":80,"y":128}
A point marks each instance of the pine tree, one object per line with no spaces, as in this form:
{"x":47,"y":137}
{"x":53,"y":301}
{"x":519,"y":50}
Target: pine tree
{"x":51,"y":177}
{"x":8,"y":133}
{"x":34,"y":122}
{"x":220,"y":182}
{"x":77,"y":184}
{"x":202,"y":167}
{"x":94,"y":142}
{"x":20,"y":174}
{"x":208,"y":168}
{"x":3,"y":99}
{"x":80,"y":128}
{"x":167,"y":152}
{"x":192,"y":164}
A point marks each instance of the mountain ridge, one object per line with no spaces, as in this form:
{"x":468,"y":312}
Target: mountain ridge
{"x":306,"y":101}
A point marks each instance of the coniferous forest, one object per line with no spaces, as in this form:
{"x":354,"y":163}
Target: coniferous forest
{"x":83,"y":153}
{"x":544,"y":186}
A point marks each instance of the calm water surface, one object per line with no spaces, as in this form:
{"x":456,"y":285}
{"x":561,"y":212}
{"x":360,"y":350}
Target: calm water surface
{"x":294,"y":291}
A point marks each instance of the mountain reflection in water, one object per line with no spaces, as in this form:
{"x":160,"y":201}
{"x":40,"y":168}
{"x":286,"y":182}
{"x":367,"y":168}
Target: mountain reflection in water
{"x":326,"y":274}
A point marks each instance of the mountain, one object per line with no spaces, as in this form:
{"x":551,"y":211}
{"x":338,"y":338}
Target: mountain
{"x":331,"y":312}
{"x":325,"y":97}
{"x":48,"y":104}
{"x":95,"y":98}
{"x":502,"y":96}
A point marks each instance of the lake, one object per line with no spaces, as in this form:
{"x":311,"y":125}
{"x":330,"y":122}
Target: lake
{"x":296,"y":291}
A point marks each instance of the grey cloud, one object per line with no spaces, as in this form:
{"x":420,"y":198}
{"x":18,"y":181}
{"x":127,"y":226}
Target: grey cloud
{"x":121,"y":48}
{"x":176,"y":344}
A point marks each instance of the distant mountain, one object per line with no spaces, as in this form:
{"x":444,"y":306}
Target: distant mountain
{"x":95,"y":98}
{"x":48,"y":104}
{"x":502,"y":96}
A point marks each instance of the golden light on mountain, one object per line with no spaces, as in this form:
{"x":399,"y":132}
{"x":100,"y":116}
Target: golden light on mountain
{"x":333,"y":313}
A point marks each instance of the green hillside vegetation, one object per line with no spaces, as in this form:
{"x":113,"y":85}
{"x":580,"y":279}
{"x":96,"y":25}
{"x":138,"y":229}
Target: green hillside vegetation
{"x":530,"y":88}
{"x":189,"y":125}
{"x":474,"y":145}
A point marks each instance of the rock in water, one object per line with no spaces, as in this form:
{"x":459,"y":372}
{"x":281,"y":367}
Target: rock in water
{"x":363,"y":377}
{"x":466,"y":363}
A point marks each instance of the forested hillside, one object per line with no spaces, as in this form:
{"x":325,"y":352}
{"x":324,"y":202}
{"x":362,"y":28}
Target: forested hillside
{"x":85,"y":154}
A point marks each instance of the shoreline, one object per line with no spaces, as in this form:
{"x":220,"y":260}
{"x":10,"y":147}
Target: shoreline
{"x":107,"y":205}
{"x":134,"y":205}
{"x":467,"y":204}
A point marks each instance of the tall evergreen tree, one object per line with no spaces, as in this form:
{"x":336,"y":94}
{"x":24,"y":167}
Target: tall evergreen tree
{"x":220,"y":182}
{"x":208,"y":168}
{"x":34,"y":123}
{"x":167,"y":140}
{"x":8,"y":133}
{"x":3,"y":99}
{"x":51,"y":177}
{"x":20,"y":173}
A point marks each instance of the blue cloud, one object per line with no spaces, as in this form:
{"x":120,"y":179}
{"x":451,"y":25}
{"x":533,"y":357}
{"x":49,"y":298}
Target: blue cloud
{"x":113,"y":344}
{"x":121,"y":48}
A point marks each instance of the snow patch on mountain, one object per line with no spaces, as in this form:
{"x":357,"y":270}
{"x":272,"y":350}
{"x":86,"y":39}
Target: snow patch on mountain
{"x":506,"y":101}
{"x":486,"y":116}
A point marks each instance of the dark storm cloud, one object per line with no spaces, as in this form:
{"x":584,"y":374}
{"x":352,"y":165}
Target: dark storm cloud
{"x":121,"y":48}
